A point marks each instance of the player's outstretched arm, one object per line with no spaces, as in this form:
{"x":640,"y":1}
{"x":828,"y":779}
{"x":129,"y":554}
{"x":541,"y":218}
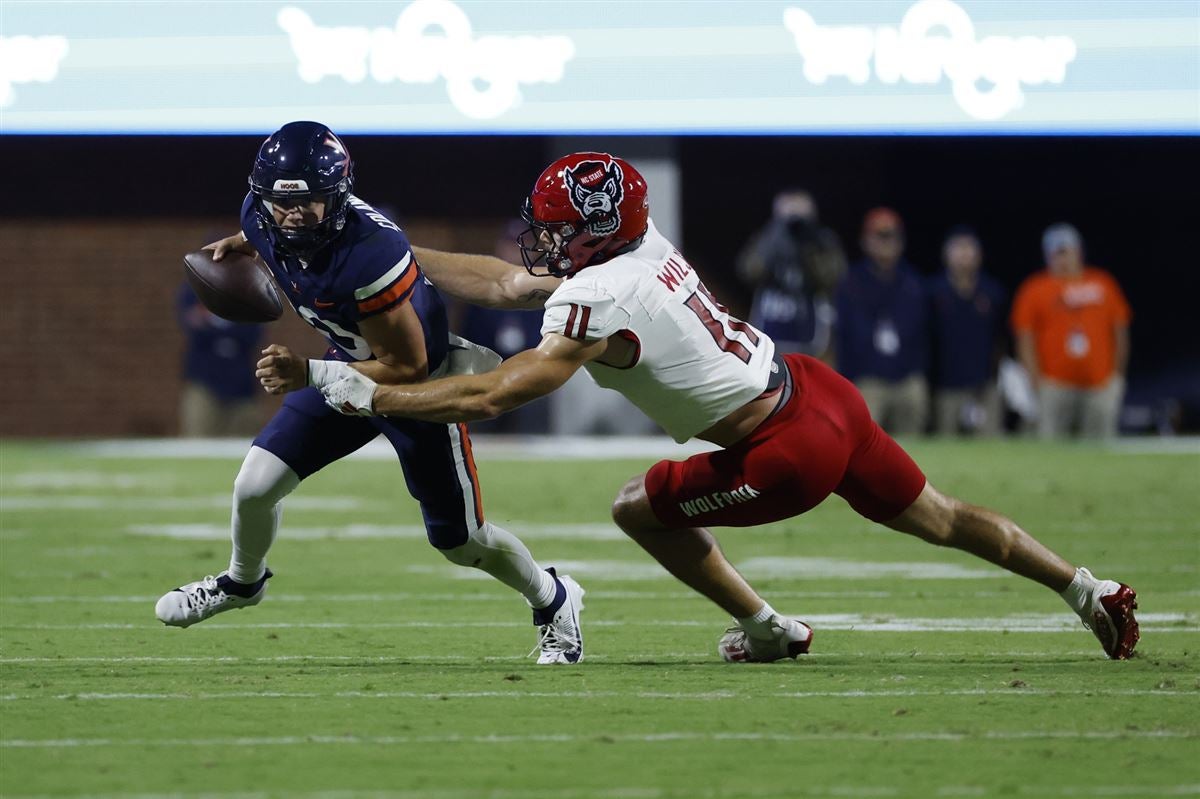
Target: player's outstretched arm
{"x":467,"y":398}
{"x":484,"y":279}
{"x":236,"y":242}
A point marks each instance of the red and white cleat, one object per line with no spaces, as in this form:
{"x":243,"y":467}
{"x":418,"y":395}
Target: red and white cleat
{"x":1110,"y":616}
{"x":791,"y":638}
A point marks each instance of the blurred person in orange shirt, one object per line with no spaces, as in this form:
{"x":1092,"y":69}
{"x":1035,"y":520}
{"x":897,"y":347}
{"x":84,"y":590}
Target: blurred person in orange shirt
{"x":1071,"y":324}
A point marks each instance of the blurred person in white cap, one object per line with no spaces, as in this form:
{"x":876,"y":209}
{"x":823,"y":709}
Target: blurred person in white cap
{"x":1071,"y":323}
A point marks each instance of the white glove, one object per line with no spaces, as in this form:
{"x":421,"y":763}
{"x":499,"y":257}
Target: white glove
{"x":321,"y":373}
{"x":345,"y":389}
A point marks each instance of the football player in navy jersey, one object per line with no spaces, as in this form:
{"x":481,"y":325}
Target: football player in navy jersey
{"x":350,"y":273}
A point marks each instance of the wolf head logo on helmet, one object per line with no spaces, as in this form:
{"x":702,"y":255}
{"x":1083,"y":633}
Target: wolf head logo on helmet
{"x":595,"y":191}
{"x":585,"y":209}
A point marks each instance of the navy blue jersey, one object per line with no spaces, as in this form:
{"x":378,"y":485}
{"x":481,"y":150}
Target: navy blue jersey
{"x":882,"y":323}
{"x":966,"y":331}
{"x":218,"y":355}
{"x":366,"y":270}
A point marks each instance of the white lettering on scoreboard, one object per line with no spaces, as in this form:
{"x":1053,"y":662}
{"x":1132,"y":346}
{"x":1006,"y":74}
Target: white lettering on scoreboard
{"x":26,"y":59}
{"x":935,"y":38}
{"x":431,"y":39}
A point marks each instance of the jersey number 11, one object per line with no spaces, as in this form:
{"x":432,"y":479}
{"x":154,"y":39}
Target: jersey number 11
{"x":716,"y":319}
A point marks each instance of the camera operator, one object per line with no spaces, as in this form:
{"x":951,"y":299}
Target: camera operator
{"x":793,"y":265}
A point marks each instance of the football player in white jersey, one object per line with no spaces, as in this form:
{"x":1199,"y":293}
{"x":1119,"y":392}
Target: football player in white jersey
{"x":633,"y":312}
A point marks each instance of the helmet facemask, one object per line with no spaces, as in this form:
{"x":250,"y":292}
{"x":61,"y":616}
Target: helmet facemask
{"x":560,"y":248}
{"x":543,"y":245}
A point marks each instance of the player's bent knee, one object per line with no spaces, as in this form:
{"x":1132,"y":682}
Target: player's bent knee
{"x":473,"y":551}
{"x":469,"y":554}
{"x":263,"y":480}
{"x":631,"y":509}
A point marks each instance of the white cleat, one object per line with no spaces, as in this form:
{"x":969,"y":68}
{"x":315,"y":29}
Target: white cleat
{"x":791,"y":637}
{"x":203,"y":599}
{"x":1109,"y":616}
{"x":560,"y":638}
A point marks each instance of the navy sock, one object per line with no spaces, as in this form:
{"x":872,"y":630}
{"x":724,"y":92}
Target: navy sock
{"x":226,"y":584}
{"x":546,"y":615}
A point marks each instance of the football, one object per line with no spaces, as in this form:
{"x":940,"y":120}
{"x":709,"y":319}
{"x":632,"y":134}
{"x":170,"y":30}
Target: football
{"x":237,"y":287}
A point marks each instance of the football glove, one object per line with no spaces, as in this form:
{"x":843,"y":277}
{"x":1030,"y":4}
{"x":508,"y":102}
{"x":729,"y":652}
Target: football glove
{"x":345,"y":389}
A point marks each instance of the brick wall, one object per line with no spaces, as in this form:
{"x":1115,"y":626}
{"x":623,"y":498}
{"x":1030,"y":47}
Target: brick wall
{"x":87,"y":316}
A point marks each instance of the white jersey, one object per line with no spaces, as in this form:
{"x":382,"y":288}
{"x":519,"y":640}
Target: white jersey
{"x":694,"y":364}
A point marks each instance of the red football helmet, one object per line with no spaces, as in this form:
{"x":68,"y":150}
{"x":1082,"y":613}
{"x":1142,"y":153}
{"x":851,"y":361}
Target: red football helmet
{"x":585,"y":209}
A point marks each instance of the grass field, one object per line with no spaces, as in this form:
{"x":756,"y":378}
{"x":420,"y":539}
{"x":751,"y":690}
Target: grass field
{"x":375,"y":670}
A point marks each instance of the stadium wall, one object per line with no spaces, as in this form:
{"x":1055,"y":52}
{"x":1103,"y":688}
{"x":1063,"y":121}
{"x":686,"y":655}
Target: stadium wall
{"x":93,"y":346}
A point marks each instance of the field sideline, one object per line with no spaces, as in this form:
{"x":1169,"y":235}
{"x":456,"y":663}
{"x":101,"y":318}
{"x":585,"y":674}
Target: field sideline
{"x":375,"y":670}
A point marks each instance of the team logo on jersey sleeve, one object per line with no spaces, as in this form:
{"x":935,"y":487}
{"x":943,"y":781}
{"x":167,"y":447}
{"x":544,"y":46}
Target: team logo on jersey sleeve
{"x":596,"y":192}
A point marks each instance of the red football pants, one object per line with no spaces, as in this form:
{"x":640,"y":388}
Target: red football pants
{"x":821,"y":442}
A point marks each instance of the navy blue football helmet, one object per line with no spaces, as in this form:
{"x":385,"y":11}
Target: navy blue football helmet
{"x":297,"y":164}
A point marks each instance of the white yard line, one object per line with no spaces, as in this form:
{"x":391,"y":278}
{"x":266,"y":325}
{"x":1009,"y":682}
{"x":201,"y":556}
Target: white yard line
{"x":402,"y":596}
{"x":89,"y":502}
{"x":616,"y":737}
{"x":1024,"y":623}
{"x":90,"y":479}
{"x":600,"y":531}
{"x":643,"y":792}
{"x":486,"y":447}
{"x":354,"y":659}
{"x":754,"y":568}
{"x":507,"y":598}
{"x":493,"y":447}
{"x":1176,"y":445}
{"x":853,"y":568}
{"x":702,"y":696}
{"x":907,"y":654}
{"x":643,"y":570}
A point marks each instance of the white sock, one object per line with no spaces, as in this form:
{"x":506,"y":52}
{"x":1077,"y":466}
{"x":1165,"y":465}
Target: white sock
{"x":502,"y":555}
{"x":1079,"y":593}
{"x":262,"y":483}
{"x":544,"y":593}
{"x":758,"y":625}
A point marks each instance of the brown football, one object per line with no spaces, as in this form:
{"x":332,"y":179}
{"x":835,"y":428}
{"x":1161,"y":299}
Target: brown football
{"x":237,"y":287}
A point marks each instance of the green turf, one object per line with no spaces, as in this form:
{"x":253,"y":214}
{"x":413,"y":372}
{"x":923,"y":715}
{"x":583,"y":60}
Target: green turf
{"x":354,"y":680}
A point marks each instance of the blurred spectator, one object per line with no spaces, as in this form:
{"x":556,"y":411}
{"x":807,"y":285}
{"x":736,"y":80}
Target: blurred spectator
{"x":220,"y":393}
{"x":882,"y":327}
{"x":508,"y":332}
{"x":967,"y":321}
{"x":793,"y":264}
{"x":1072,"y":328}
